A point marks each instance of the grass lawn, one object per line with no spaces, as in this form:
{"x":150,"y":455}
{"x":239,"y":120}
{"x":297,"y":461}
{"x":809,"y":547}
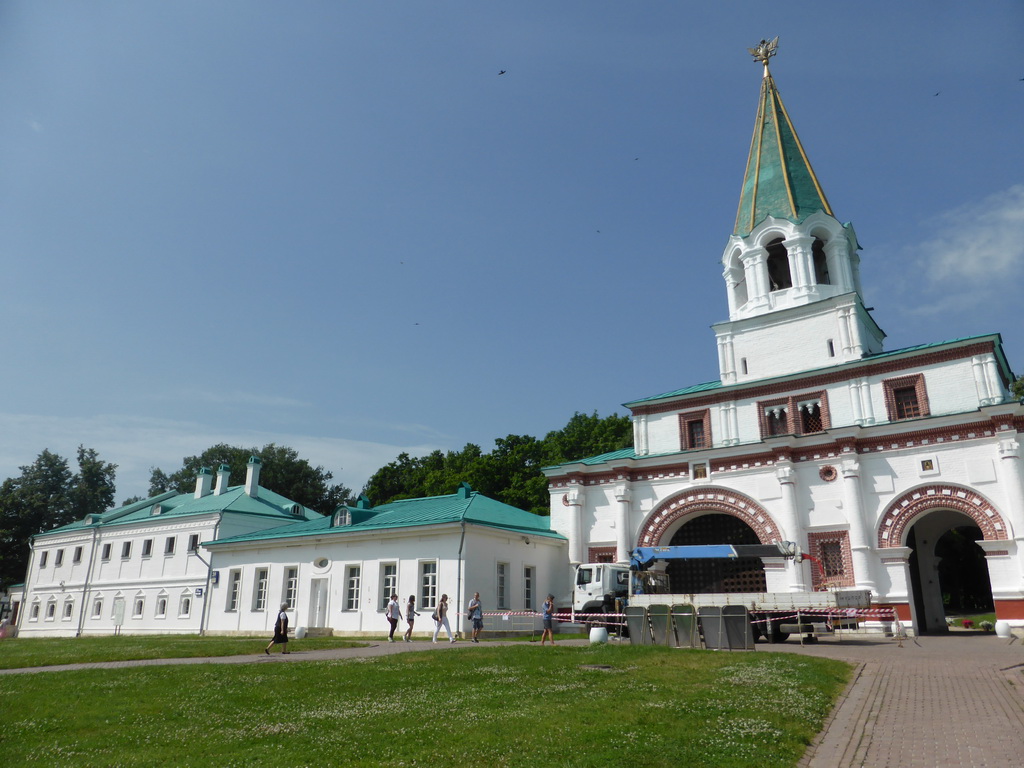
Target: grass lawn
{"x":45,"y":651}
{"x":518,"y":705}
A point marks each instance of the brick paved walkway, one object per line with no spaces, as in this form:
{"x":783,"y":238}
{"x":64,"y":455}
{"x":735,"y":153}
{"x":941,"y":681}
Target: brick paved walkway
{"x":955,"y":700}
{"x":937,"y":702}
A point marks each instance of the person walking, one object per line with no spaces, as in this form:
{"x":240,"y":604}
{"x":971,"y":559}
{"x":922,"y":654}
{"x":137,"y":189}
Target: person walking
{"x":280,"y":631}
{"x":475,"y":613}
{"x":393,"y":613}
{"x":440,"y":618}
{"x":410,"y":617}
{"x":547,"y":612}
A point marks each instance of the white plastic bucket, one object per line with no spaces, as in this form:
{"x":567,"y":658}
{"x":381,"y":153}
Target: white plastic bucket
{"x":598,"y":635}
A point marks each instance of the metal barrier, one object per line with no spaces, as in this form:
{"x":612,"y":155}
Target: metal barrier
{"x":726,"y":627}
{"x":636,"y":622}
{"x":684,"y":621}
{"x":660,"y":619}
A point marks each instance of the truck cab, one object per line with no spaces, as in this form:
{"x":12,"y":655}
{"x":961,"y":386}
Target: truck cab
{"x":598,"y":585}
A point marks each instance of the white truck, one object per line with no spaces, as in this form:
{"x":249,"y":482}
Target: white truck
{"x":601,"y":587}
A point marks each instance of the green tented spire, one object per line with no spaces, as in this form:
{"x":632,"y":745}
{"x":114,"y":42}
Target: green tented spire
{"x":779,"y":180}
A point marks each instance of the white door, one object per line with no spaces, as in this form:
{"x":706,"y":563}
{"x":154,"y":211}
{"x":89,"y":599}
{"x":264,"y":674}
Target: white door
{"x":318,"y":603}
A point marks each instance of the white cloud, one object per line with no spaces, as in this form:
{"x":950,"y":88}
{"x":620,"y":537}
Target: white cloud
{"x":980,"y":243}
{"x":136,"y":444}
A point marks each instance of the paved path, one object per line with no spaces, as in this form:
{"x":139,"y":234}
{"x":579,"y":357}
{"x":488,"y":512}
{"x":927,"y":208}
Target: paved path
{"x":955,"y":700}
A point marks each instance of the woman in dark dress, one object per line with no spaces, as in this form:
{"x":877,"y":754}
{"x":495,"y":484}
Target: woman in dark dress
{"x":280,"y":631}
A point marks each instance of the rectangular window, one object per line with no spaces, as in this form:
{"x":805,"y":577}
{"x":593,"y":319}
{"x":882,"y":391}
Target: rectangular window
{"x":193,"y":543}
{"x":42,"y":559}
{"x":77,"y":557}
{"x":906,"y":397}
{"x":527,"y":588}
{"x":234,"y":590}
{"x":428,"y":584}
{"x":58,"y":559}
{"x":161,"y":607}
{"x":291,"y":586}
{"x":832,"y":559}
{"x":97,"y":608}
{"x":352,"y":574}
{"x":169,"y":545}
{"x":695,"y":430}
{"x":259,"y":590}
{"x":51,"y":610}
{"x":810,"y":417}
{"x":34,"y":613}
{"x":138,"y":607}
{"x":105,"y":554}
{"x":907,"y":406}
{"x":185,"y":606}
{"x":69,"y":608}
{"x":778,"y":421}
{"x":126,"y":550}
{"x":147,"y":547}
{"x":388,"y":583}
{"x":502,"y":590}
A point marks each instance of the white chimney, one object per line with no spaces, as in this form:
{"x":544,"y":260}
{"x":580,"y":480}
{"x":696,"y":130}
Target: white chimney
{"x":252,"y":477}
{"x":223,"y":473}
{"x":203,"y":482}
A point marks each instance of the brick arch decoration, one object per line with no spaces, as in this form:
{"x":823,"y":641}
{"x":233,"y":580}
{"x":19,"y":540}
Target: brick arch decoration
{"x":693,"y":501}
{"x":902,"y":512}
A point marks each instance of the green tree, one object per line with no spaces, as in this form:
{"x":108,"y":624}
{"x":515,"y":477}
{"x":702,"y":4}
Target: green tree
{"x":511,"y":473}
{"x":36,"y":501}
{"x":92,"y":489}
{"x":282,"y":471}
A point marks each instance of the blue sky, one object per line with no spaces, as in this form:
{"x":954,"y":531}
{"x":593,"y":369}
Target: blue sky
{"x":335,"y":226}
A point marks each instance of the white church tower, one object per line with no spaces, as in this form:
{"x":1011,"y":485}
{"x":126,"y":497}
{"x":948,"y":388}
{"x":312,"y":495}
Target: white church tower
{"x":791,"y":268}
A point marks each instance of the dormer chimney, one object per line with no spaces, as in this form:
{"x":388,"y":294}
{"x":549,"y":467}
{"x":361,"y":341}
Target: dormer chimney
{"x":252,"y":477}
{"x":223,"y":474}
{"x":203,"y":482}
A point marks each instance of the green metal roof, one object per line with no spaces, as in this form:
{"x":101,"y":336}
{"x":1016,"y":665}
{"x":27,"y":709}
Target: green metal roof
{"x":779,"y":180}
{"x":466,"y":505}
{"x":234,"y":500}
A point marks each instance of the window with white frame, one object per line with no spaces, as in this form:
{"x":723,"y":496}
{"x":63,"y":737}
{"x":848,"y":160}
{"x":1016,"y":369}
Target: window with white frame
{"x":234,"y":588}
{"x":126,"y":550}
{"x":97,"y":608}
{"x":352,"y":579}
{"x":42,"y":559}
{"x":147,"y":547}
{"x":58,"y":559}
{"x":527,"y":588}
{"x":502,"y":588}
{"x":428,"y":584}
{"x":388,"y":583}
{"x":161,"y":606}
{"x":69,"y":609}
{"x":169,"y":545}
{"x":51,"y":609}
{"x":259,"y":590}
{"x":77,"y":557}
{"x":185,"y":605}
{"x":138,"y":606}
{"x":105,"y":552}
{"x":33,"y":615}
{"x":291,"y":586}
{"x":193,"y":543}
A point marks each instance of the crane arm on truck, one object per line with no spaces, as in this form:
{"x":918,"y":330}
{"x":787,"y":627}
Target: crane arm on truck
{"x":643,"y":558}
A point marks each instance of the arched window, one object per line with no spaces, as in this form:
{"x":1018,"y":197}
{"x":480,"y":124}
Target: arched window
{"x":820,"y":263}
{"x":778,"y":266}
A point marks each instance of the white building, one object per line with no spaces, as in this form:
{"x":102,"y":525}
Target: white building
{"x":338,"y":572}
{"x":811,"y":432}
{"x":141,"y":568}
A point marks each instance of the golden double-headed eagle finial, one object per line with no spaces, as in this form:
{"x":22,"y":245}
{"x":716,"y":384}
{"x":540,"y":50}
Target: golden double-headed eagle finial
{"x":764,"y":51}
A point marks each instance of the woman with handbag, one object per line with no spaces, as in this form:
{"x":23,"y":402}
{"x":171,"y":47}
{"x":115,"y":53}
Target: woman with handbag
{"x":440,"y":617}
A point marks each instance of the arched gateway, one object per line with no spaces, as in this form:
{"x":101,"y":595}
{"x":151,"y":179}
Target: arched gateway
{"x":672,"y":512}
